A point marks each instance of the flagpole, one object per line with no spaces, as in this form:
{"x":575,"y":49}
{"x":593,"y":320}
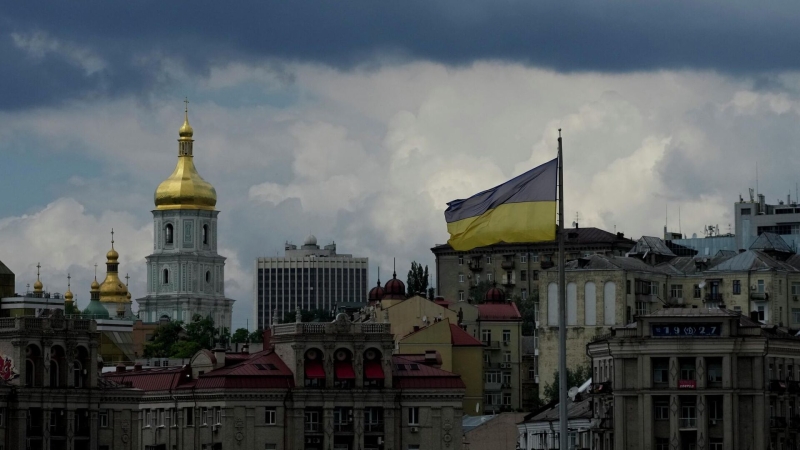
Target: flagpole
{"x":562,"y":310}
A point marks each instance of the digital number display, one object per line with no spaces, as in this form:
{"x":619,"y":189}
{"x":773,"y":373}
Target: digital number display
{"x":687,"y":329}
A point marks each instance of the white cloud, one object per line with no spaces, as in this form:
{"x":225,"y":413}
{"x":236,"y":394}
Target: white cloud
{"x":39,"y":44}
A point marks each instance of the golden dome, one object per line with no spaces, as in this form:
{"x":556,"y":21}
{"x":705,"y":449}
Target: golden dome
{"x":112,"y":255}
{"x":68,"y":295}
{"x":185,"y":188}
{"x":112,"y":290}
{"x":37,"y":286}
{"x":95,"y":285}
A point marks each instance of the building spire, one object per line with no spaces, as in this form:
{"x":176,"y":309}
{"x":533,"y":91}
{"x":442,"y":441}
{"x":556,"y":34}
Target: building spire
{"x":112,"y":238}
{"x":394,"y":267}
{"x":37,"y":286}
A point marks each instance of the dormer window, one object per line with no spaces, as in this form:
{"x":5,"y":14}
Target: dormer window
{"x":168,"y":234}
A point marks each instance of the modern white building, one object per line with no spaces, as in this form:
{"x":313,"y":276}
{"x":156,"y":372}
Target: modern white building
{"x":307,"y":278}
{"x":186,"y":275}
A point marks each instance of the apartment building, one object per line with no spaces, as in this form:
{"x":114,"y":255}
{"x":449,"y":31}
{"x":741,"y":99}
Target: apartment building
{"x":695,"y":378}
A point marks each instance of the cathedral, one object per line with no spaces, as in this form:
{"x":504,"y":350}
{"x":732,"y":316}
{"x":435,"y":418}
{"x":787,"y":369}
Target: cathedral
{"x":185,"y":274}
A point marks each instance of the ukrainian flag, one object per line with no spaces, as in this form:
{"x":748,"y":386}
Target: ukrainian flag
{"x":520,"y":210}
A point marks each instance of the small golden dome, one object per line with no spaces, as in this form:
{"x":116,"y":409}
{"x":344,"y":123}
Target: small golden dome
{"x":68,"y":295}
{"x":37,"y":286}
{"x":95,"y":285}
{"x":186,"y":131}
{"x":129,"y":295}
{"x":112,"y":255}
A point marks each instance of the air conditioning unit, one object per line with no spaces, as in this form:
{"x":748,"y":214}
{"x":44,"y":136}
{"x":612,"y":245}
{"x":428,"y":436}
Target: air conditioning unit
{"x":536,"y":379}
{"x":214,"y":428}
{"x":506,"y":385}
{"x":415,"y":429}
{"x":505,"y":365}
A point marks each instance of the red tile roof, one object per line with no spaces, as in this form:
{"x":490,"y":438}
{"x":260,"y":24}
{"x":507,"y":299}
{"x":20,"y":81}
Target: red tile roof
{"x":409,"y":373}
{"x":461,"y":338}
{"x":262,"y":370}
{"x":155,"y":379}
{"x":499,"y":312}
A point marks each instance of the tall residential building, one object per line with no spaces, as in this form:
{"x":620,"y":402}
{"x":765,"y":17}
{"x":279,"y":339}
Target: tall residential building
{"x":516,"y":267}
{"x":307,"y":278}
{"x":186,"y":275}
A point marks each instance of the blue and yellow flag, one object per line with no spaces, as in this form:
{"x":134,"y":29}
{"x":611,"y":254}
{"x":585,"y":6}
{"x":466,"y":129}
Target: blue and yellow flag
{"x":520,"y":210}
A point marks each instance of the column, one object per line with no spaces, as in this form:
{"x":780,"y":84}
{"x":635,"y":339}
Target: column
{"x":674,"y":372}
{"x":327,"y":425}
{"x":702,"y":422}
{"x":646,"y":410}
{"x":727,"y":419}
{"x":674,"y":418}
{"x":700,"y":372}
{"x":358,"y":426}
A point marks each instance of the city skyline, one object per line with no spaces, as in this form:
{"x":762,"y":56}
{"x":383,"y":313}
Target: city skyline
{"x":365,"y":143}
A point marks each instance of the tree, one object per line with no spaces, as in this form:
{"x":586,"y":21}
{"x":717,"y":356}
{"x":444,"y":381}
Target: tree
{"x":257,"y":337}
{"x":477,"y":293}
{"x":184,"y":349}
{"x":527,"y":308}
{"x":240,"y":336}
{"x":574,"y":378}
{"x":417,"y":281}
{"x":165,"y":336}
{"x":201,"y":330}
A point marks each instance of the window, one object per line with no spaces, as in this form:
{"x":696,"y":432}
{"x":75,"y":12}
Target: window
{"x":737,"y":309}
{"x":477,"y":279}
{"x":687,"y":370}
{"x":523,"y":259}
{"x":413,"y":446}
{"x":461,"y":278}
{"x":507,"y":378}
{"x":270,"y":446}
{"x":716,"y":443}
{"x":535,"y":257}
{"x":493,"y":377}
{"x":507,"y":357}
{"x":205,"y":234}
{"x":697,"y":291}
{"x":762,"y":313}
{"x":523,"y":275}
{"x":161,"y":418}
{"x":486,"y":358}
{"x":780,"y":286}
{"x":217,"y":415}
{"x":460,"y":260}
{"x":208,"y":276}
{"x":661,"y":409}
{"x":642,"y":308}
{"x":524,"y":293}
{"x":269,"y":416}
{"x":662,"y":444}
{"x":486,"y":335}
{"x":204,"y":416}
{"x":531,"y":373}
{"x":166,"y":276}
{"x":627,"y":286}
{"x":312,"y":421}
{"x":796,"y":315}
{"x":688,"y":416}
{"x":147,"y":414}
{"x":413,"y":415}
{"x":491,"y":399}
{"x":714,"y":372}
{"x":461,"y":296}
{"x":535,"y":275}
{"x":660,"y":370}
{"x":737,"y":287}
{"x":506,"y":399}
{"x":188,"y":417}
{"x":77,"y":374}
{"x":795,"y":289}
{"x":168,"y":234}
{"x":103,"y":418}
{"x":715,"y":408}
{"x":488,"y":259}
{"x":676,"y":291}
{"x":488,"y":277}
{"x":760,"y":286}
{"x":506,"y":335}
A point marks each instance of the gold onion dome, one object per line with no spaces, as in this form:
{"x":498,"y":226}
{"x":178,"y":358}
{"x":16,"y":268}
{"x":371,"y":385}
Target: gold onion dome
{"x":112,"y":290}
{"x":185,"y":188}
{"x":38,"y":286}
{"x":95,"y":285}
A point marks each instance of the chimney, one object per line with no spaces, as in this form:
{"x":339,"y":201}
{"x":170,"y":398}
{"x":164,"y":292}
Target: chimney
{"x":120,"y":367}
{"x":754,"y":316}
{"x":433,"y":358}
{"x":137,"y":367}
{"x":219,"y":355}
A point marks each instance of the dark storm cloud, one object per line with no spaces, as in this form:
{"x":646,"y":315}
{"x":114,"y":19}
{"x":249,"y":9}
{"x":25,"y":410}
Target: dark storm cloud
{"x":734,"y":37}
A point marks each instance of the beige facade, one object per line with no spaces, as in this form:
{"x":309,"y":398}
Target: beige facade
{"x":411,"y":314}
{"x":695,"y":378}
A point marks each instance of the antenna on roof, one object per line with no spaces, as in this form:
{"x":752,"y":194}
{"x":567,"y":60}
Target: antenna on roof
{"x":679,"y":221}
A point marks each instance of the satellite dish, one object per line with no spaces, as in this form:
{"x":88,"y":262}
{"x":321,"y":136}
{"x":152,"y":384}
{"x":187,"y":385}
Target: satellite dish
{"x":702,"y":284}
{"x":573,"y":391}
{"x":424,"y":319}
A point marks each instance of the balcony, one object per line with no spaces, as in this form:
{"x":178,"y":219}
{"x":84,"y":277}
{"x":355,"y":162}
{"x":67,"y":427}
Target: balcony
{"x":491,"y":386}
{"x":713,"y":298}
{"x":687,"y":384}
{"x":312,"y":427}
{"x":777,"y":422}
{"x":343,"y":427}
{"x":601,"y":388}
{"x":491,"y":345}
{"x":777,"y":386}
{"x":646,"y":298}
{"x":606,"y":424}
{"x":688,"y":422}
{"x":508,"y":280}
{"x":759,"y":296}
{"x":794,"y":387}
{"x":507,"y":264}
{"x":475,"y":265}
{"x":373,"y":427}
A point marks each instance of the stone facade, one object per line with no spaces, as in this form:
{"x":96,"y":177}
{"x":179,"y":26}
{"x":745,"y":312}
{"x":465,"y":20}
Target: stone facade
{"x":695,"y":378}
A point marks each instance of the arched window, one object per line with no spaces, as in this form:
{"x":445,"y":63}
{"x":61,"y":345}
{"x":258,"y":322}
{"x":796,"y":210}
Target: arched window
{"x":166,"y":276}
{"x":77,"y":374}
{"x":30,"y":372}
{"x":590,"y":303}
{"x":205,"y":234}
{"x":168,"y":233}
{"x":54,"y":373}
{"x":610,"y":303}
{"x":552,"y":305}
{"x":208,"y":276}
{"x":572,"y":304}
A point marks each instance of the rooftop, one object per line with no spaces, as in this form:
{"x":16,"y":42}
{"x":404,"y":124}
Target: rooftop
{"x":499,"y":312}
{"x":589,"y":235}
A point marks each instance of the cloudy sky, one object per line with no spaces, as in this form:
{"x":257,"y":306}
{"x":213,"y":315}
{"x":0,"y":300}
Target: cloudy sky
{"x":357,"y":121}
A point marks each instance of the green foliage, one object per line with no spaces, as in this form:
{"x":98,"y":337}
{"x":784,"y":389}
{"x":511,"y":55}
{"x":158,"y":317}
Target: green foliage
{"x":257,"y":336}
{"x":418,"y":281}
{"x":164,"y":338}
{"x":201,"y":330}
{"x":240,"y":336}
{"x":313,"y":315}
{"x":527,"y":308}
{"x":574,"y":378}
{"x":478,"y":292}
{"x":173,"y":340}
{"x":184,"y":349}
